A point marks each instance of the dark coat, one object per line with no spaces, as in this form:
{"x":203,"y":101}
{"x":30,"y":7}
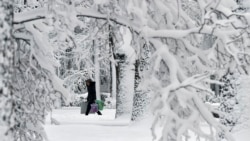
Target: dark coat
{"x":91,"y":92}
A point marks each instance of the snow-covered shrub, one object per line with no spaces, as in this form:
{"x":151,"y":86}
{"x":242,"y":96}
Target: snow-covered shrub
{"x":228,"y":100}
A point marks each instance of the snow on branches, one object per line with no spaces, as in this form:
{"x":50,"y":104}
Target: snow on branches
{"x":178,"y":105}
{"x":177,"y":39}
{"x":34,"y":95}
{"x":7,"y":49}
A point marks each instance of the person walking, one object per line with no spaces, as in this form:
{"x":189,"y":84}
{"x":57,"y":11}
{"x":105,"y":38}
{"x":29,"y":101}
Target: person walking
{"x":91,"y":95}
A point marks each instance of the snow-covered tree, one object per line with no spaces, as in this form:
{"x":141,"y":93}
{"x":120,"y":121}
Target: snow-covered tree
{"x":179,"y":98}
{"x":228,"y":99}
{"x":34,"y":95}
{"x":176,"y":38}
{"x":29,"y":80}
{"x":141,"y":101}
{"x":124,"y":98}
{"x":7,"y":49}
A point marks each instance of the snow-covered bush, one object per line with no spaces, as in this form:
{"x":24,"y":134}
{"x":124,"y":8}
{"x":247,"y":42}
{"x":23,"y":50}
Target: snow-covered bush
{"x":228,"y":99}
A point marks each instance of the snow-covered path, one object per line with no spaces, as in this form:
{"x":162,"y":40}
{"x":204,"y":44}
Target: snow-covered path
{"x":76,"y":127}
{"x":71,"y":115}
{"x":83,"y":132}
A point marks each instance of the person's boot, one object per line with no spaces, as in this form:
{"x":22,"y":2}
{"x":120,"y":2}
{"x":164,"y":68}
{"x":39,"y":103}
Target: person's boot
{"x":99,"y":113}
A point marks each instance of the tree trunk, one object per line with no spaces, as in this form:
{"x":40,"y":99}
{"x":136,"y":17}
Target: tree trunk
{"x":113,"y":74}
{"x":97,"y":71}
{"x":124,"y":99}
{"x":126,"y":55}
{"x":141,"y":99}
{"x":114,"y":85}
{"x":136,"y":103}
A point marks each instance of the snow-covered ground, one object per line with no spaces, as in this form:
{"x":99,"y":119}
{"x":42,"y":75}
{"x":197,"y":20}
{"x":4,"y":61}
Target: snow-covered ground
{"x":243,"y":135}
{"x":76,"y":127}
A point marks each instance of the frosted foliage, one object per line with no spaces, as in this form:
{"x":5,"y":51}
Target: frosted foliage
{"x":140,"y":105}
{"x":141,"y":99}
{"x":7,"y":48}
{"x":77,"y":63}
{"x":176,"y":104}
{"x":229,"y":101}
{"x":34,"y":96}
{"x":76,"y":81}
{"x":176,"y":36}
{"x":85,"y":3}
{"x":28,"y":6}
{"x":192,"y":8}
